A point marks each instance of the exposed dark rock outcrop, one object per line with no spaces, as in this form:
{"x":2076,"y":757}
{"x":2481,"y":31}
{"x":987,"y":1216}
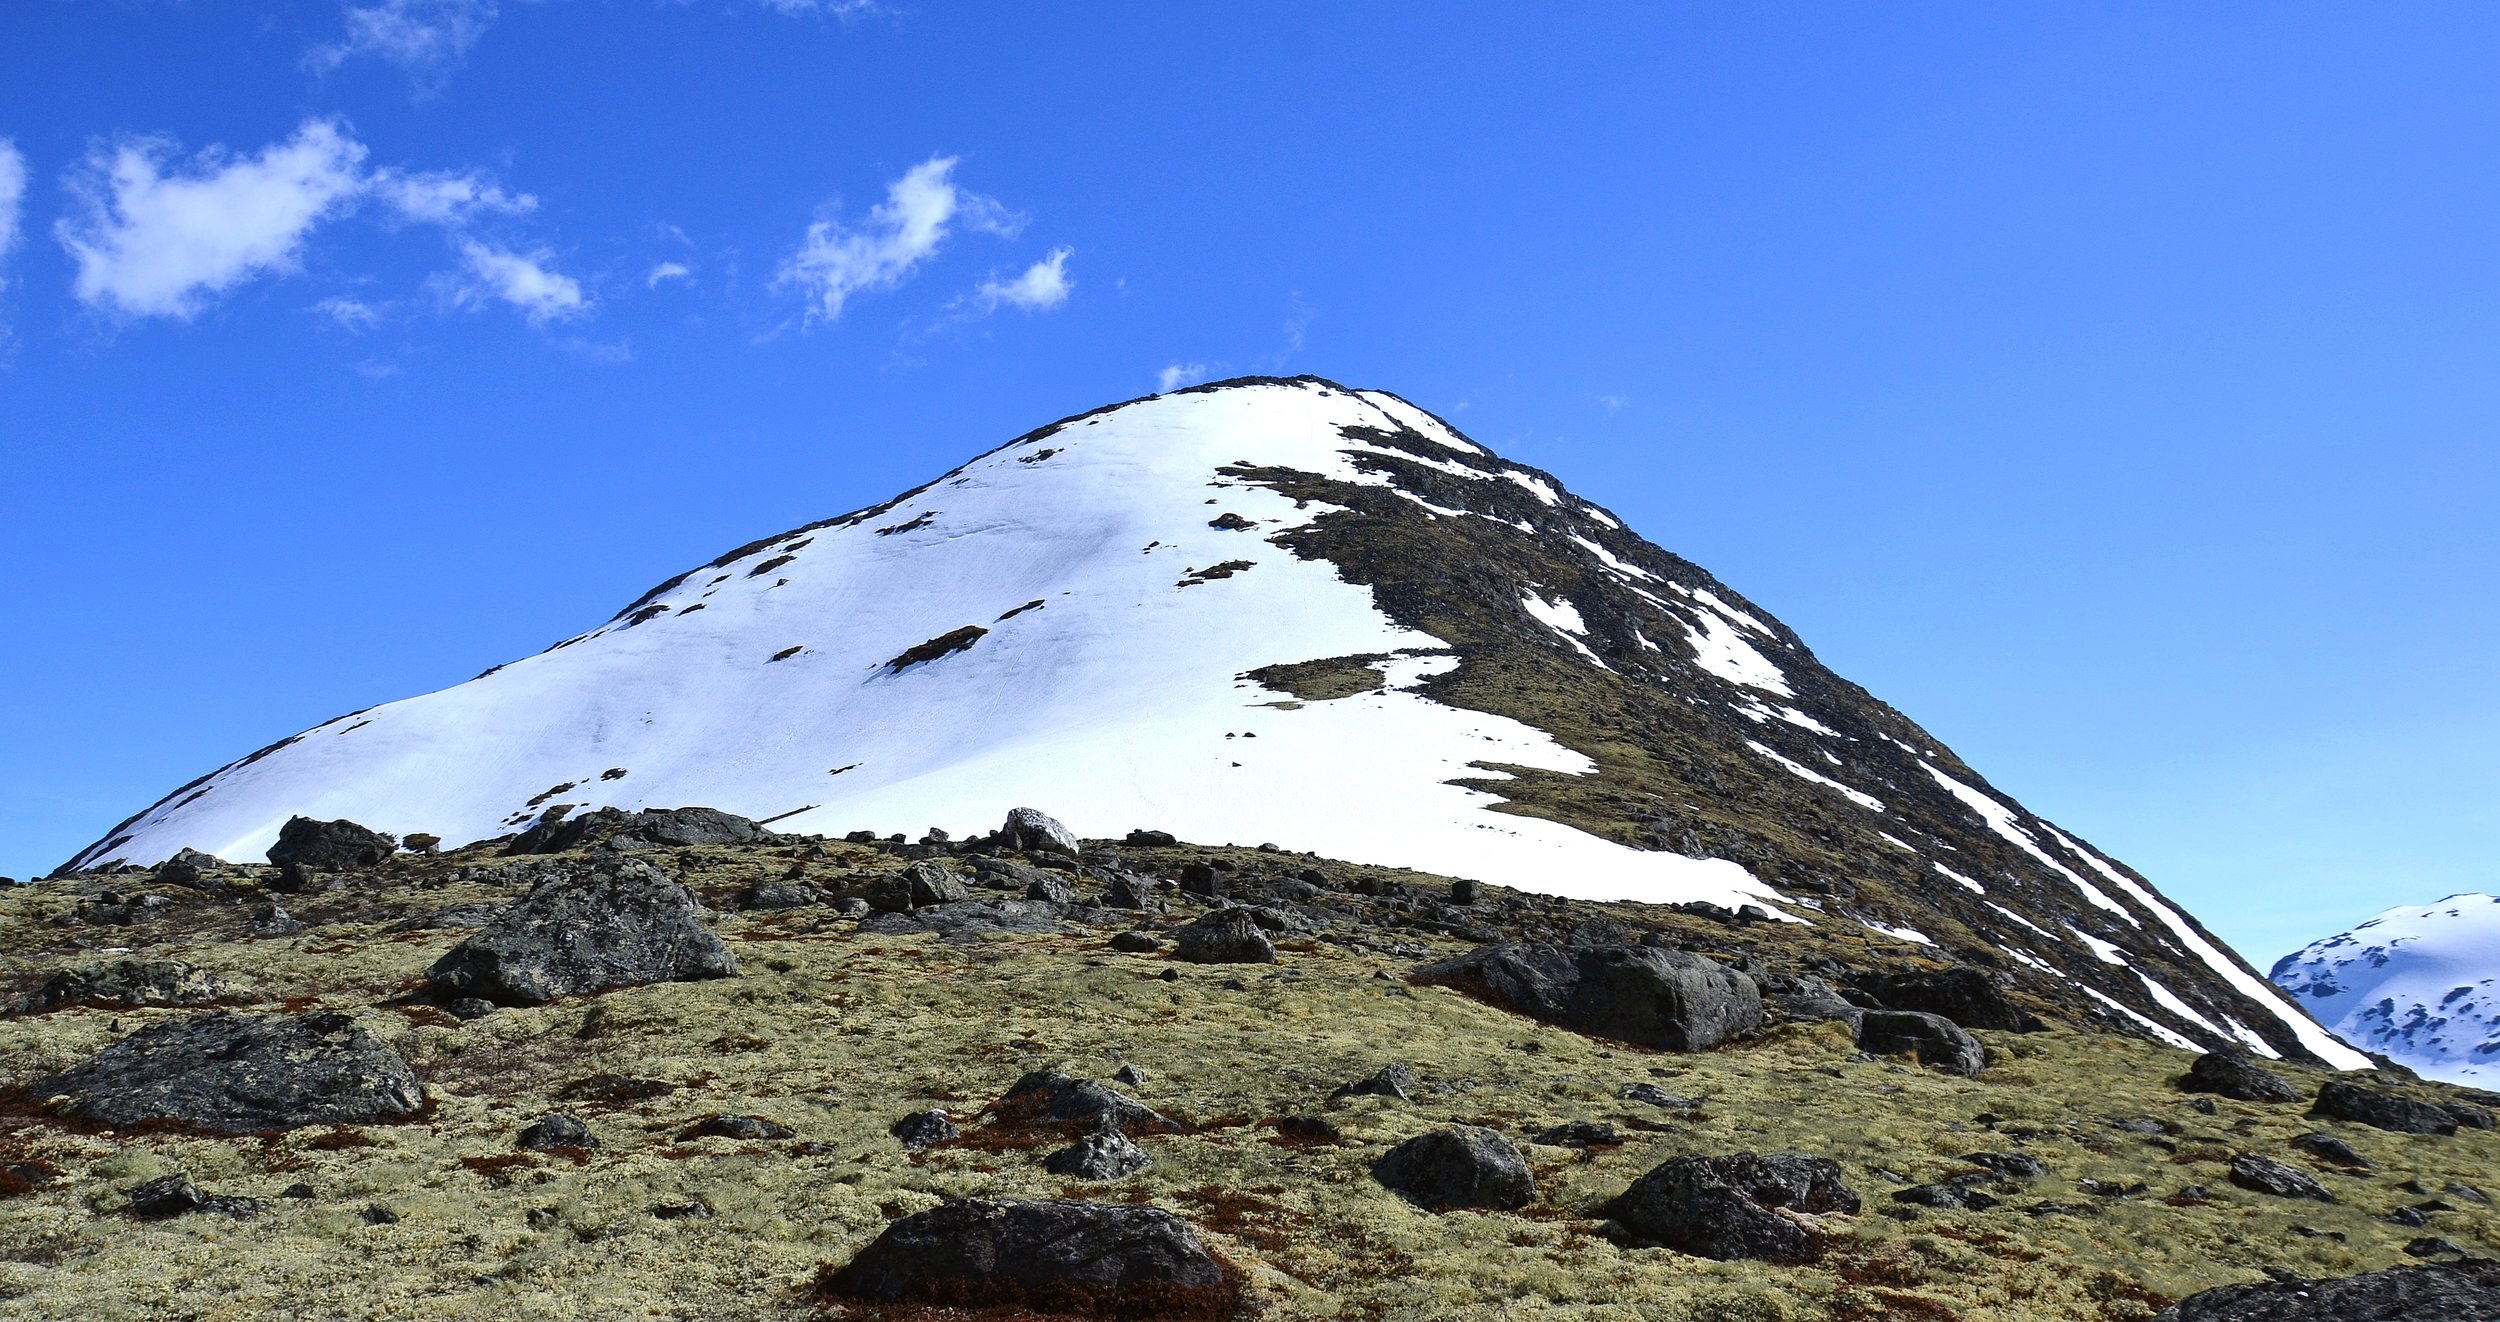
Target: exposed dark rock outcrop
{"x":239,"y":1074}
{"x":2465,"y":1291}
{"x":1461,"y":1166}
{"x":1227,"y":936}
{"x":2232,"y":1073}
{"x":2339,"y":1100}
{"x":616,"y":828}
{"x":1046,"y":1256}
{"x":330,"y":846}
{"x":1734,"y":1206}
{"x":1035,"y":831}
{"x":1966,"y":996}
{"x":126,"y":984}
{"x":623,"y":926}
{"x":1668,"y":999}
{"x":1931,"y":1039}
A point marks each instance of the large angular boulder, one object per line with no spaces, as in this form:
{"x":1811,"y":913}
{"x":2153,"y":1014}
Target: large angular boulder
{"x":1734,"y":1206}
{"x":1047,"y":1097}
{"x":1050,"y":1256}
{"x":645,"y":829}
{"x":2231,"y":1073}
{"x":127,"y":984}
{"x":1966,"y":996}
{"x":2339,"y":1100}
{"x":2268,"y":1176}
{"x":1668,"y":999}
{"x":621,"y":926}
{"x":2463,"y":1291}
{"x":1461,"y":1166}
{"x":1931,"y":1039}
{"x":330,"y":846}
{"x":1037,"y":832}
{"x":241,"y":1074}
{"x":1227,"y":936}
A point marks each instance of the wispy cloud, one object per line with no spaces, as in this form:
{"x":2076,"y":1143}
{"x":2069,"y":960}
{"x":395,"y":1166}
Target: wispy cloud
{"x":426,"y":38}
{"x":1043,"y":286}
{"x":844,"y":9}
{"x":520,"y":279}
{"x":12,"y":202}
{"x":156,"y":237}
{"x":834,"y":263}
{"x":349,"y":314}
{"x":150,"y":242}
{"x":1176,"y":375}
{"x":665,"y":272}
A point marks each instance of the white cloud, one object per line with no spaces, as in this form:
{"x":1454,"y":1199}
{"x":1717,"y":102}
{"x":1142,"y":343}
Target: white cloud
{"x":666,"y":271}
{"x":1176,"y":375}
{"x":149,"y":242}
{"x":906,"y":229}
{"x":521,"y":280}
{"x":12,"y":201}
{"x":446,"y":198}
{"x":1043,"y":286}
{"x":349,"y":313}
{"x":844,"y":9}
{"x":428,"y":38}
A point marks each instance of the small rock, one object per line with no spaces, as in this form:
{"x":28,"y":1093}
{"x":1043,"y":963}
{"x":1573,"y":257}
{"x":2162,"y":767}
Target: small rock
{"x":1200,"y":879}
{"x":175,"y":1195}
{"x":126,"y":984}
{"x":693,"y":1209}
{"x":268,"y":919}
{"x":745,"y":1128}
{"x":1227,"y":936}
{"x":1461,"y":1166}
{"x":1050,"y":890}
{"x":1953,"y":1196}
{"x":1580,"y":1134}
{"x":298,"y":1190}
{"x":1651,"y":1094}
{"x":1390,"y":1080}
{"x":934,"y":883}
{"x":2011,"y":1165}
{"x":1137,"y":942}
{"x":376,"y":1214}
{"x":2411,"y":1218}
{"x":1105,"y":1154}
{"x":556,"y":1133}
{"x":1045,"y":1096}
{"x":2266,"y":1175}
{"x":2469,"y":1116}
{"x":2234,"y":1074}
{"x":1129,"y":1075}
{"x":1730,"y":1207}
{"x":2432,"y":1246}
{"x":2339,"y":1100}
{"x":1968,"y":997}
{"x":1037,"y":832}
{"x":1933,"y":1040}
{"x":923,"y":1129}
{"x":1465,"y":891}
{"x":1308,"y":1129}
{"x":648,"y":828}
{"x":2328,"y":1148}
{"x":466,"y":1008}
{"x":2467,"y":1291}
{"x":1150,"y":839}
{"x":768,"y":896}
{"x":1041,"y":1257}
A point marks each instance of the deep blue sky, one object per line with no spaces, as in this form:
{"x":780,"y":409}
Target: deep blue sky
{"x":2110,"y":387}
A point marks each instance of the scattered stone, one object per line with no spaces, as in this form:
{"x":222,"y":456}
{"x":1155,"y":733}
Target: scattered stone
{"x":2465,"y":1191}
{"x":1953,"y":1196}
{"x":1129,"y":1075}
{"x":268,"y":919}
{"x":1037,"y":832}
{"x":1733,"y":1207}
{"x":1465,"y":890}
{"x":1461,"y":1166}
{"x":2469,"y":1116}
{"x":1966,"y":996}
{"x":2338,"y":1100}
{"x":1308,"y":1129}
{"x":556,"y":1133}
{"x":1105,"y":1154}
{"x":1049,"y":1097}
{"x":376,"y":1214}
{"x":923,"y":1129}
{"x":2410,"y":1218}
{"x":1668,"y":999}
{"x":2334,"y":1151}
{"x":1050,"y":890}
{"x":623,"y":926}
{"x":934,"y":883}
{"x":421,"y":842}
{"x":2266,"y":1175}
{"x":693,"y":1209}
{"x":330,"y":846}
{"x":649,"y":828}
{"x":1580,"y":1134}
{"x":1651,"y":1094}
{"x":1045,"y":1256}
{"x":299,"y":1191}
{"x":1391,"y":1080}
{"x":2232,"y":1073}
{"x":744,"y":1128}
{"x":2011,"y":1165}
{"x":1227,"y":936}
{"x":2466,"y":1291}
{"x":1137,"y":942}
{"x":240,"y":1074}
{"x":1930,"y":1039}
{"x":127,"y":984}
{"x":765,"y":896}
{"x":1202,"y":880}
{"x":1142,"y":839}
{"x":969,"y":920}
{"x":2432,"y":1246}
{"x":186,"y":868}
{"x":175,"y":1195}
{"x":467,"y":1008}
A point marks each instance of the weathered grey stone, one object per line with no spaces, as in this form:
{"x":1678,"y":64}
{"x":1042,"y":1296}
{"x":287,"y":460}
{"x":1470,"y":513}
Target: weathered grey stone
{"x":2467,"y":1291}
{"x":1037,"y":832}
{"x":1460,"y":1166}
{"x":1729,"y":1207}
{"x":2232,"y":1073}
{"x":237,"y":1074}
{"x":1050,"y":1256}
{"x":127,"y":984}
{"x":330,"y":846}
{"x":2340,"y":1100}
{"x":1668,"y":999}
{"x":1935,"y":1041}
{"x":624,"y":926}
{"x":1227,"y":936}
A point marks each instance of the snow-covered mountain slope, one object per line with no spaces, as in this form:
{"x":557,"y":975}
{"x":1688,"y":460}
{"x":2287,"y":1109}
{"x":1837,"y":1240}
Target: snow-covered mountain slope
{"x":2419,"y":985}
{"x":1269,"y":610}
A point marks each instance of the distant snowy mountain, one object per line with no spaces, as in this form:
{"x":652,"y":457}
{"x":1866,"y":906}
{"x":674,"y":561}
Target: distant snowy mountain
{"x":2420,"y":985}
{"x":1270,"y":610}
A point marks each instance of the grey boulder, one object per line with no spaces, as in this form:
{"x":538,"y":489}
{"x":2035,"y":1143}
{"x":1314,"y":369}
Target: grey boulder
{"x":1105,"y":1154}
{"x":2339,"y":1100}
{"x":2466,"y":1291}
{"x":1732,"y":1207}
{"x":1048,"y":1256}
{"x":1461,"y":1166}
{"x":1037,"y":832}
{"x":330,"y":846}
{"x":1931,"y":1039}
{"x":240,"y":1074}
{"x":2232,"y":1073}
{"x":127,"y":984}
{"x":623,"y":926}
{"x":1227,"y":936}
{"x":1652,"y":997}
{"x":644,"y":829}
{"x":2266,"y":1175}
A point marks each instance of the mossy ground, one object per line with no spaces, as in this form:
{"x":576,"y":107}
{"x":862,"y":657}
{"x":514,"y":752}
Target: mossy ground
{"x":837,"y":1034}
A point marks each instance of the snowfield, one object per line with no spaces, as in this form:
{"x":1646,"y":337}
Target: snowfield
{"x":1103,"y":685}
{"x":2420,"y":984}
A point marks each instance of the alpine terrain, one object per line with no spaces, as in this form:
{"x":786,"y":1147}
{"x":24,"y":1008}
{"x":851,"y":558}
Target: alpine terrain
{"x":1270,"y":611}
{"x":2419,"y":985}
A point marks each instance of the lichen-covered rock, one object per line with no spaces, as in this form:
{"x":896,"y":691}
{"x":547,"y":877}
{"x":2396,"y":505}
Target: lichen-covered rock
{"x":557,"y":1133}
{"x":1105,"y":1154}
{"x":2467,"y":1291}
{"x":240,"y":1074}
{"x":1037,"y":832}
{"x":2339,"y":1100}
{"x":1460,"y":1166}
{"x":1227,"y":936}
{"x":1733,"y":1207}
{"x":330,"y":846}
{"x":127,"y":984}
{"x":650,"y":827}
{"x":1966,"y":996}
{"x":1050,"y":1256}
{"x":2231,"y":1073}
{"x":1391,"y":1080}
{"x":1669,"y":999}
{"x":622,"y":926}
{"x":923,"y":1129}
{"x":1933,"y":1040}
{"x":1049,"y":1097}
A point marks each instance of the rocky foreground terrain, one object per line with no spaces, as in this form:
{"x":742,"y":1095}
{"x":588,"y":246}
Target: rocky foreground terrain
{"x":672,"y":1065}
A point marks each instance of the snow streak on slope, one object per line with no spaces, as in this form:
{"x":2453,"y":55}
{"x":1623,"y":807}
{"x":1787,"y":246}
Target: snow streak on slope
{"x":1062,"y":622}
{"x":2419,"y":984}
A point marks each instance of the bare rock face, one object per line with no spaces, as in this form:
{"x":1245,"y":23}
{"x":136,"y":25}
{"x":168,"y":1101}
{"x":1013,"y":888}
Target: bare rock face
{"x":1049,"y":1256}
{"x":242,"y":1074}
{"x":1731,"y":1207}
{"x":330,"y":846}
{"x":622,"y":926}
{"x":2465,"y":1291}
{"x":1668,"y":999}
{"x":1966,"y":996}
